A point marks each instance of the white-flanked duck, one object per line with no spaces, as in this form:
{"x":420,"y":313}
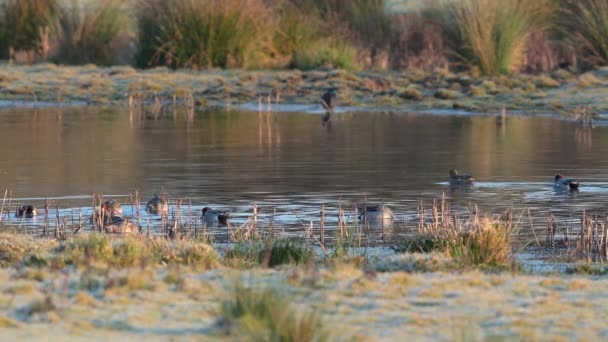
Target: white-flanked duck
{"x":157,"y":205}
{"x":26,"y":210}
{"x":214,"y":217}
{"x":562,"y":183}
{"x":375,"y":214}
{"x":458,"y":179}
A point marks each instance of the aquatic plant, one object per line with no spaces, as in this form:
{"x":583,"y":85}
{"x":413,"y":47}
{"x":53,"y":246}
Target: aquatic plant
{"x":95,"y":32}
{"x":267,"y":315}
{"x":202,"y":34}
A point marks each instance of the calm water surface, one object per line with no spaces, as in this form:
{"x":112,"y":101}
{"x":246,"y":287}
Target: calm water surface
{"x":289,"y":164}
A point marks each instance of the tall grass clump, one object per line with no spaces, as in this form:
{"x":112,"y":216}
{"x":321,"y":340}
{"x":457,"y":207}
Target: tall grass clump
{"x":491,"y":35}
{"x":95,"y":32}
{"x":584,"y":24}
{"x":203,"y":33}
{"x":296,"y":30}
{"x":27,"y":25}
{"x":472,"y":241}
{"x":265,"y":315}
{"x":365,"y":24}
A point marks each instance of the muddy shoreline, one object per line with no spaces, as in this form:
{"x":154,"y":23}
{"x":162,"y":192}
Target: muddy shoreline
{"x":51,"y":85}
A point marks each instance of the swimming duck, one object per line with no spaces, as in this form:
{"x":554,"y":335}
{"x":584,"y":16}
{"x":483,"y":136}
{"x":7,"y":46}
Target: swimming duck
{"x":562,"y":183}
{"x":375,"y":214}
{"x":212,"y":217}
{"x":457,"y":179}
{"x":157,"y":205}
{"x":119,"y":225}
{"x":27,"y":211}
{"x":111,"y":208}
{"x":328,"y":102}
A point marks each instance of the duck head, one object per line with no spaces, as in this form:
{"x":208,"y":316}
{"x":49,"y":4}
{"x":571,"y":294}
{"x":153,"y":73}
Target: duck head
{"x":205,"y":210}
{"x":558,"y":177}
{"x":453,"y":173}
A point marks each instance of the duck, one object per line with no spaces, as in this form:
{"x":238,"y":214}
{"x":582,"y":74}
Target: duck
{"x":27,"y":211}
{"x":213,"y":217}
{"x":111,"y":208}
{"x":562,"y":183}
{"x":457,"y":179}
{"x":328,"y":102}
{"x":375,"y":214}
{"x":119,"y":225}
{"x":157,"y":205}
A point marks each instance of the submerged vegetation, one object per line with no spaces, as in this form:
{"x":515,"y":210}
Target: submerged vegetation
{"x":492,"y":37}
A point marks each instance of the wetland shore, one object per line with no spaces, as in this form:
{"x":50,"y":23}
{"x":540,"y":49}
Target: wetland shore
{"x":95,"y":286}
{"x":50,"y":85}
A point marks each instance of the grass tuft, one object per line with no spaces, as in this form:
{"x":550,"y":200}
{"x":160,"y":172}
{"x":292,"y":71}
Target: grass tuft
{"x":201,"y":33}
{"x":94,"y":32}
{"x":27,"y":25}
{"x":475,"y":241}
{"x":584,"y":24}
{"x":490,"y":35}
{"x":265,"y":315}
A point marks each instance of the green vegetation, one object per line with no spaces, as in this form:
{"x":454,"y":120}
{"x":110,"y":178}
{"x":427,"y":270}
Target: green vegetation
{"x":584,"y":23}
{"x":474,"y":242}
{"x":27,"y":26}
{"x":486,"y":36}
{"x":92,"y":32}
{"x":269,"y":252}
{"x":491,"y":35}
{"x":203,"y":34}
{"x":267,"y":315}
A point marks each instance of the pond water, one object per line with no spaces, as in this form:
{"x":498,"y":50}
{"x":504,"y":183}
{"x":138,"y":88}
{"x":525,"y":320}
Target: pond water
{"x":289,"y":164}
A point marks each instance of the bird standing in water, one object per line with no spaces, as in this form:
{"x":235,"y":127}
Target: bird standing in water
{"x":328,"y":102}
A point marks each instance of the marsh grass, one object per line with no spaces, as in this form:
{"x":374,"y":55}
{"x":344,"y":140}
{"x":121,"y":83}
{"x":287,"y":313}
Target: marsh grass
{"x":471,"y":241}
{"x":268,"y":252}
{"x":202,"y":34}
{"x":326,"y":53}
{"x":584,"y":24}
{"x":94,"y":32}
{"x":267,"y":315}
{"x":490,"y":35}
{"x":133,"y":251}
{"x":27,"y":25}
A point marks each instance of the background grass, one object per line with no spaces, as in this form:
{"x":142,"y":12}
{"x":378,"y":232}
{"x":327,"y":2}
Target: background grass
{"x":488,"y":36}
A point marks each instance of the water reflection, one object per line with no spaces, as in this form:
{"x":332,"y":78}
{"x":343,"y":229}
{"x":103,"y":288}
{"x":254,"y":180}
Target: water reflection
{"x":291,"y":163}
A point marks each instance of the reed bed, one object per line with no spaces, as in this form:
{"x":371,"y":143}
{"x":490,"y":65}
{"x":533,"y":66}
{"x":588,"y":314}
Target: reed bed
{"x":588,"y":243}
{"x":470,"y":237}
